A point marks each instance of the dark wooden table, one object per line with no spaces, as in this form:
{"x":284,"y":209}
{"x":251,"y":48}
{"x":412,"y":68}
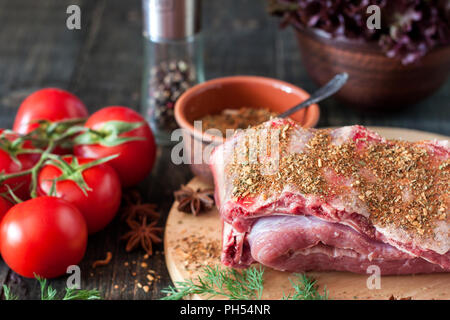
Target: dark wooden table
{"x":102,"y":64}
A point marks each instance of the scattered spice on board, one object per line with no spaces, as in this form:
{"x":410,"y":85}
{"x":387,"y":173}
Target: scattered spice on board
{"x":241,"y":118}
{"x":194,"y":201}
{"x":198,"y":252}
{"x":147,"y":276}
{"x":103,"y":262}
{"x":168,"y":81}
{"x":152,"y":277}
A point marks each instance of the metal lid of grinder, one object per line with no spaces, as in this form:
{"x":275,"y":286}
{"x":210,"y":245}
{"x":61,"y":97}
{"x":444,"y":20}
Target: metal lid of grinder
{"x":171,"y":19}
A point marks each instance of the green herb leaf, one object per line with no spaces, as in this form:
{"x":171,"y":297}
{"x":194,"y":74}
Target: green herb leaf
{"x":7,"y":293}
{"x":78,"y":294}
{"x":239,"y":285}
{"x":48,"y":293}
{"x":225,"y":282}
{"x":305,"y":289}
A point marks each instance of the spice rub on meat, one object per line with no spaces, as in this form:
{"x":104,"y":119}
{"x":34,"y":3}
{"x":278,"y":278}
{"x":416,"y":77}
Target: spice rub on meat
{"x":395,"y":193}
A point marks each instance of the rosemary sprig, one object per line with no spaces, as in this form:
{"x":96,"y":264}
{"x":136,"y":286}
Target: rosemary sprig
{"x":305,"y":289}
{"x":234,"y":285}
{"x":48,"y":293}
{"x":224,"y":282}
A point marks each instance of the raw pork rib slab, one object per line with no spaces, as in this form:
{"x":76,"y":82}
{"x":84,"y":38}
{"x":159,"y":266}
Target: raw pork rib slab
{"x":342,"y":199}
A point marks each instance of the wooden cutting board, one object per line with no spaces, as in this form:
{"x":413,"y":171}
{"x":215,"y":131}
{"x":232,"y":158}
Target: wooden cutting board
{"x":189,"y":241}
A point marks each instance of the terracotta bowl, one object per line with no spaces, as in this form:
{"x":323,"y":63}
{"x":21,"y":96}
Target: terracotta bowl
{"x":376,"y":82}
{"x":213,"y":96}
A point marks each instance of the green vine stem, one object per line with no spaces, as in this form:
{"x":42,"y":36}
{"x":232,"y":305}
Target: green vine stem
{"x":45,"y":155}
{"x":14,"y":198}
{"x":37,"y":167}
{"x":33,"y":170}
{"x":49,"y":135}
{"x":74,"y":171}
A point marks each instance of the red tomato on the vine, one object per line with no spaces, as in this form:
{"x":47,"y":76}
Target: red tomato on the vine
{"x":21,"y":162}
{"x":136,"y":157}
{"x":99,"y":205}
{"x":48,"y":104}
{"x":5,"y":205}
{"x":43,"y":236}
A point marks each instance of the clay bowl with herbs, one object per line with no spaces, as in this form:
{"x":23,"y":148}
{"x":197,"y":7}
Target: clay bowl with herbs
{"x":376,"y":82}
{"x":236,"y":102}
{"x":396,"y":53}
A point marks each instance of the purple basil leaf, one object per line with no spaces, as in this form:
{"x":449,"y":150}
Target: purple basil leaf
{"x":409,"y":30}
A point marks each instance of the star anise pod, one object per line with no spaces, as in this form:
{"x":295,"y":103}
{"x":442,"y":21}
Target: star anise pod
{"x":131,"y":196}
{"x":194,"y":201}
{"x":142,"y":234}
{"x":134,"y":207}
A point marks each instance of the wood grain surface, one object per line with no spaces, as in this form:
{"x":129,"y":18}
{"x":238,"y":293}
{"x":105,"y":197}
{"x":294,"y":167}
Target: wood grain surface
{"x":102,"y":63}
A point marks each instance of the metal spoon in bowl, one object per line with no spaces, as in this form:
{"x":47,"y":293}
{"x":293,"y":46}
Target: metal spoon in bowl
{"x":327,"y":90}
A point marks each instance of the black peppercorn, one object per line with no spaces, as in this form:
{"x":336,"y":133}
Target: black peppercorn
{"x":168,"y":81}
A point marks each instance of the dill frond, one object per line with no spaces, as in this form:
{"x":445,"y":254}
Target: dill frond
{"x":239,"y":285}
{"x":224,"y":282}
{"x":305,"y":289}
{"x":7,"y":293}
{"x":49,"y":293}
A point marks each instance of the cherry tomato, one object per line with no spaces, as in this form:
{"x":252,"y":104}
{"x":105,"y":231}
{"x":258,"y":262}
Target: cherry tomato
{"x":102,"y":201}
{"x":48,"y":104}
{"x":23,"y":161}
{"x":5,"y":205}
{"x":43,"y":236}
{"x":136,"y":157}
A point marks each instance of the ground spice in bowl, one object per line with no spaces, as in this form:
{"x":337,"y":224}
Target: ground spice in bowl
{"x":241,"y":118}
